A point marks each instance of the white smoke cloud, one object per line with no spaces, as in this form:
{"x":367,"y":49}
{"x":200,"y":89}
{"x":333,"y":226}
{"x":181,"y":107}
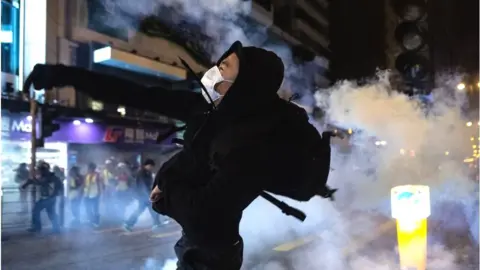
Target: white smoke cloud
{"x":437,"y":136}
{"x":221,"y":21}
{"x":217,"y":18}
{"x":170,"y":264}
{"x":366,"y":173}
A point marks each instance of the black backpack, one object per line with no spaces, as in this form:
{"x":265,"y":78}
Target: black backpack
{"x":308,"y":155}
{"x":304,"y":157}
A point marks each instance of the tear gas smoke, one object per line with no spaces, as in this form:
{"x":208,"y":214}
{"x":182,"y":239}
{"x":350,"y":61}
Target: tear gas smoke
{"x":364,"y":175}
{"x":222,"y":23}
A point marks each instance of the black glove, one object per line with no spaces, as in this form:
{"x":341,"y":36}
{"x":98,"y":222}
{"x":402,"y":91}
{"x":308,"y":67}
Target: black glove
{"x":48,"y":76}
{"x":327,"y":193}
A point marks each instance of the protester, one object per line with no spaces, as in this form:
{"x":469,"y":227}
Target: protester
{"x":92,"y":191}
{"x":75,"y":193}
{"x":143,"y":186}
{"x":49,"y":188}
{"x":234,"y":148}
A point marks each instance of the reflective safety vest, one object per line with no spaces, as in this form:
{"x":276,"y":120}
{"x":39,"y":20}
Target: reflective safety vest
{"x":107,"y":177}
{"x":92,"y":185}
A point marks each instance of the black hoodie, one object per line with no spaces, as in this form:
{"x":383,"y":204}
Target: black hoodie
{"x":207,"y":203}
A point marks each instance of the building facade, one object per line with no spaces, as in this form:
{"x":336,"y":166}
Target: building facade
{"x":75,"y":32}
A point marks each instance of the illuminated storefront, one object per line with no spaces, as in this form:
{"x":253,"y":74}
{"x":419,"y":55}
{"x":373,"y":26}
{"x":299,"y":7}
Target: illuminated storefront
{"x":16,"y":148}
{"x":58,"y":150}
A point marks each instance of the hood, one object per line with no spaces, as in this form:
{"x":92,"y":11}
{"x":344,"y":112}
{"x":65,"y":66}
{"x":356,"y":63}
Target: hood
{"x":259,"y":78}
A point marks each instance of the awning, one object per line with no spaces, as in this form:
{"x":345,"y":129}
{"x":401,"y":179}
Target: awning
{"x":128,"y":61}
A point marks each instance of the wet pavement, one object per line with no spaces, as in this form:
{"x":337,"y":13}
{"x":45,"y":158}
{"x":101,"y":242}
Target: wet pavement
{"x":83,"y":249}
{"x":110,"y":247}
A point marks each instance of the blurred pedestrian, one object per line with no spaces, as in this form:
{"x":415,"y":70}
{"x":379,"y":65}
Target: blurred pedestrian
{"x":21,"y":177}
{"x":143,"y":186}
{"x":108,"y":179}
{"x":49,"y":187}
{"x":92,"y":192}
{"x":123,"y":194}
{"x":75,"y":192}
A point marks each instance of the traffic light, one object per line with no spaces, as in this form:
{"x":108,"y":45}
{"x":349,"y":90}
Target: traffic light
{"x":411,"y":34}
{"x":47,"y":126}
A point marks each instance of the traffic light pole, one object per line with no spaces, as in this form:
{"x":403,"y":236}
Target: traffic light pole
{"x":33,"y":114}
{"x":33,"y":143}
{"x":33,"y":135}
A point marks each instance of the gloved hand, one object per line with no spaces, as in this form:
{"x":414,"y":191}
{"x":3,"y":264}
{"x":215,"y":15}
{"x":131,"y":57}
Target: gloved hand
{"x":328,"y":193}
{"x":46,"y":76}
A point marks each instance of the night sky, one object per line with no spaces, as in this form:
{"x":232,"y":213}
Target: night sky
{"x":357,"y":33}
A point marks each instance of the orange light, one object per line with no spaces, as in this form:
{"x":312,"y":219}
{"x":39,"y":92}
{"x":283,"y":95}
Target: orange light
{"x":412,"y":243}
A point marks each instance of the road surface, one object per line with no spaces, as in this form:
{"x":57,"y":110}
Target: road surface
{"x":91,"y":249}
{"x":112,"y":248}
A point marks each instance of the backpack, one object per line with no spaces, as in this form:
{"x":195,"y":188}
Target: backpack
{"x":302,"y":153}
{"x":57,"y":185}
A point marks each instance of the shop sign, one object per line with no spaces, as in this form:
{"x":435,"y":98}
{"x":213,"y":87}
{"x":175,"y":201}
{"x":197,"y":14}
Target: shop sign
{"x":130,"y":135}
{"x":151,"y":135}
{"x":21,"y":126}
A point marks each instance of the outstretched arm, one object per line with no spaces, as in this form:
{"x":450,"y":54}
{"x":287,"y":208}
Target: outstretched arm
{"x":27,"y":183}
{"x":175,"y":104}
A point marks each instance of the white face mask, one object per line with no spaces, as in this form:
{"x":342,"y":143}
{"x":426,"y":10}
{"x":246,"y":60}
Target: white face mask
{"x":210,"y":79}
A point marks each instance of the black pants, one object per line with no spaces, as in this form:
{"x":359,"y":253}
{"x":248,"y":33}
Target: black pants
{"x":49,"y":206}
{"x":92,"y":207}
{"x":142,"y":206}
{"x":193,"y":257}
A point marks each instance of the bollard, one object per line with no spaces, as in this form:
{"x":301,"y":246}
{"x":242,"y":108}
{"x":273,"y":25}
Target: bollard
{"x":411,"y":208}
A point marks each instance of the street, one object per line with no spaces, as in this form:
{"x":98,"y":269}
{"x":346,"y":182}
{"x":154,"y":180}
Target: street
{"x":102,"y":248}
{"x":112,"y":248}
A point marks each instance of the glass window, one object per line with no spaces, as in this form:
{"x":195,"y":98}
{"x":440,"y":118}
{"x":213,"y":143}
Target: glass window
{"x":10,"y":36}
{"x":96,"y":105}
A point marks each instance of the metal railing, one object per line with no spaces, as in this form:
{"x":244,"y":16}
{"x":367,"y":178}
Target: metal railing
{"x":17,"y":207}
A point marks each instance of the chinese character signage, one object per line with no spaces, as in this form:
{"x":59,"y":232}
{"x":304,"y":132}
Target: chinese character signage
{"x":132,"y":135}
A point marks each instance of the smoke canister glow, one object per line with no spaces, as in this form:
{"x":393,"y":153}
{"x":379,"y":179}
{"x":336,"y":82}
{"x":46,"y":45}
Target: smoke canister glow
{"x":411,"y":208}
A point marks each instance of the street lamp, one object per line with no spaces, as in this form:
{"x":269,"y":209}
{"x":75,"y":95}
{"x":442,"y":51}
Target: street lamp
{"x":469,"y":124}
{"x":461,"y":86}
